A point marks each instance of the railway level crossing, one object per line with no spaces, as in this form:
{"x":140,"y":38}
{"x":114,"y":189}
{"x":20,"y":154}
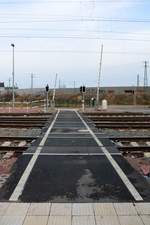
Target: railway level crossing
{"x":72,"y":161}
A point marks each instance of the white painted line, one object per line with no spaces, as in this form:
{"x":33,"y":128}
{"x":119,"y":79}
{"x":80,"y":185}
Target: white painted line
{"x":20,"y":186}
{"x":115,"y":165}
{"x":87,"y":136}
{"x":119,"y":143}
{"x":66,"y":154}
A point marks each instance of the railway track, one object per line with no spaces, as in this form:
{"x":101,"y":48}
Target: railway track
{"x":31,"y":120}
{"x":123,"y":125}
{"x":15,"y":144}
{"x":135,"y":145}
{"x":120,"y":120}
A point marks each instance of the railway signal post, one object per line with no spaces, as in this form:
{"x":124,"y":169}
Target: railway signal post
{"x":47,"y":101}
{"x":82,"y":91}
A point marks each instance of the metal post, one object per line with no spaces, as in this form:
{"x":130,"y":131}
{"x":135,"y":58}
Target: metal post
{"x":83,"y":101}
{"x":54,"y":92}
{"x":99,"y":76}
{"x":134,"y":96}
{"x":138,"y":80}
{"x":47,"y":101}
{"x":13,"y":76}
{"x":31,"y":88}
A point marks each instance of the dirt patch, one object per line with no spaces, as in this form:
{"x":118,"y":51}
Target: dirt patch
{"x":5,"y":168}
{"x":142,"y":165}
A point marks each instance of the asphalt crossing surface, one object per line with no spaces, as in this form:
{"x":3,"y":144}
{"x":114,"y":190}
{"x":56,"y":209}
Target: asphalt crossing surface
{"x":72,"y":161}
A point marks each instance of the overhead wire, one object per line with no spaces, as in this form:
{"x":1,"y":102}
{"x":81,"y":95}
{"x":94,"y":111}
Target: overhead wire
{"x":73,"y":37}
{"x":81,"y":20}
{"x":72,"y":2}
{"x":76,"y":52}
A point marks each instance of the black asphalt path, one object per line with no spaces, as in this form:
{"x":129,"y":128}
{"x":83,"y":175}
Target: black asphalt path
{"x":73,"y":168}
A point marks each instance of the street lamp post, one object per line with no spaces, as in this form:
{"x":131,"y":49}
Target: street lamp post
{"x":99,"y":76}
{"x":13,"y":76}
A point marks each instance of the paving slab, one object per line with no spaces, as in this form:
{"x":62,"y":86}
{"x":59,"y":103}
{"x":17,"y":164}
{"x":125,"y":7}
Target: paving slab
{"x":3,"y":207}
{"x":59,"y":220}
{"x":125,"y":209}
{"x":143,"y":208}
{"x":17,"y":209}
{"x":39,"y":209}
{"x":12,"y":220}
{"x":130,"y":220}
{"x":104,"y":209}
{"x":146,"y":220}
{"x":61,"y":209}
{"x":83,"y":220}
{"x":36,"y":220}
{"x":85,"y":209}
{"x":107,"y":220}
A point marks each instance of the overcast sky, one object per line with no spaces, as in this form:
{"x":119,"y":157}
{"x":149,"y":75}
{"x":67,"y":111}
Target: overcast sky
{"x":65,"y":36}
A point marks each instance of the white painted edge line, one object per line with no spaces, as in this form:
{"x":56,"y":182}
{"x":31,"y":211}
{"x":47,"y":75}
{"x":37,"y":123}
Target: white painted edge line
{"x":75,"y":154}
{"x":115,"y":165}
{"x":20,"y":186}
{"x":70,"y":137}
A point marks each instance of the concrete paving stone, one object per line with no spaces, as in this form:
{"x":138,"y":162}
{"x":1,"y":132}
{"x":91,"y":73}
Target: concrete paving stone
{"x":36,"y":220}
{"x":125,"y":209}
{"x":107,"y":220}
{"x":130,"y":220}
{"x":17,"y":209}
{"x":59,"y":220}
{"x":83,"y":220}
{"x":12,"y":220}
{"x":82,"y":209}
{"x":143,"y":208}
{"x":61,"y":209}
{"x":3,"y":207}
{"x":104,"y":209}
{"x":39,"y":209}
{"x":146,"y":220}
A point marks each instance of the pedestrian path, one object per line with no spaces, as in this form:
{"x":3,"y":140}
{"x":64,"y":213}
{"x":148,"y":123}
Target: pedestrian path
{"x":74,"y":214}
{"x":71,"y":162}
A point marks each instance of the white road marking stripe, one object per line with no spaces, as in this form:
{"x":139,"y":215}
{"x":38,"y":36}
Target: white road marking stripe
{"x":115,"y":165}
{"x":76,"y":154}
{"x":79,"y":137}
{"x":20,"y":186}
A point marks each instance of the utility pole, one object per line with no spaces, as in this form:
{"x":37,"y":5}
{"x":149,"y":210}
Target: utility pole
{"x":74,"y":85}
{"x":13,"y":75}
{"x":9,"y":80}
{"x":145,"y":74}
{"x":138,"y":80}
{"x":32,"y":80}
{"x":136,"y":90}
{"x":32,"y":76}
{"x":59,"y":84}
{"x":54,"y":91}
{"x":99,"y":76}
